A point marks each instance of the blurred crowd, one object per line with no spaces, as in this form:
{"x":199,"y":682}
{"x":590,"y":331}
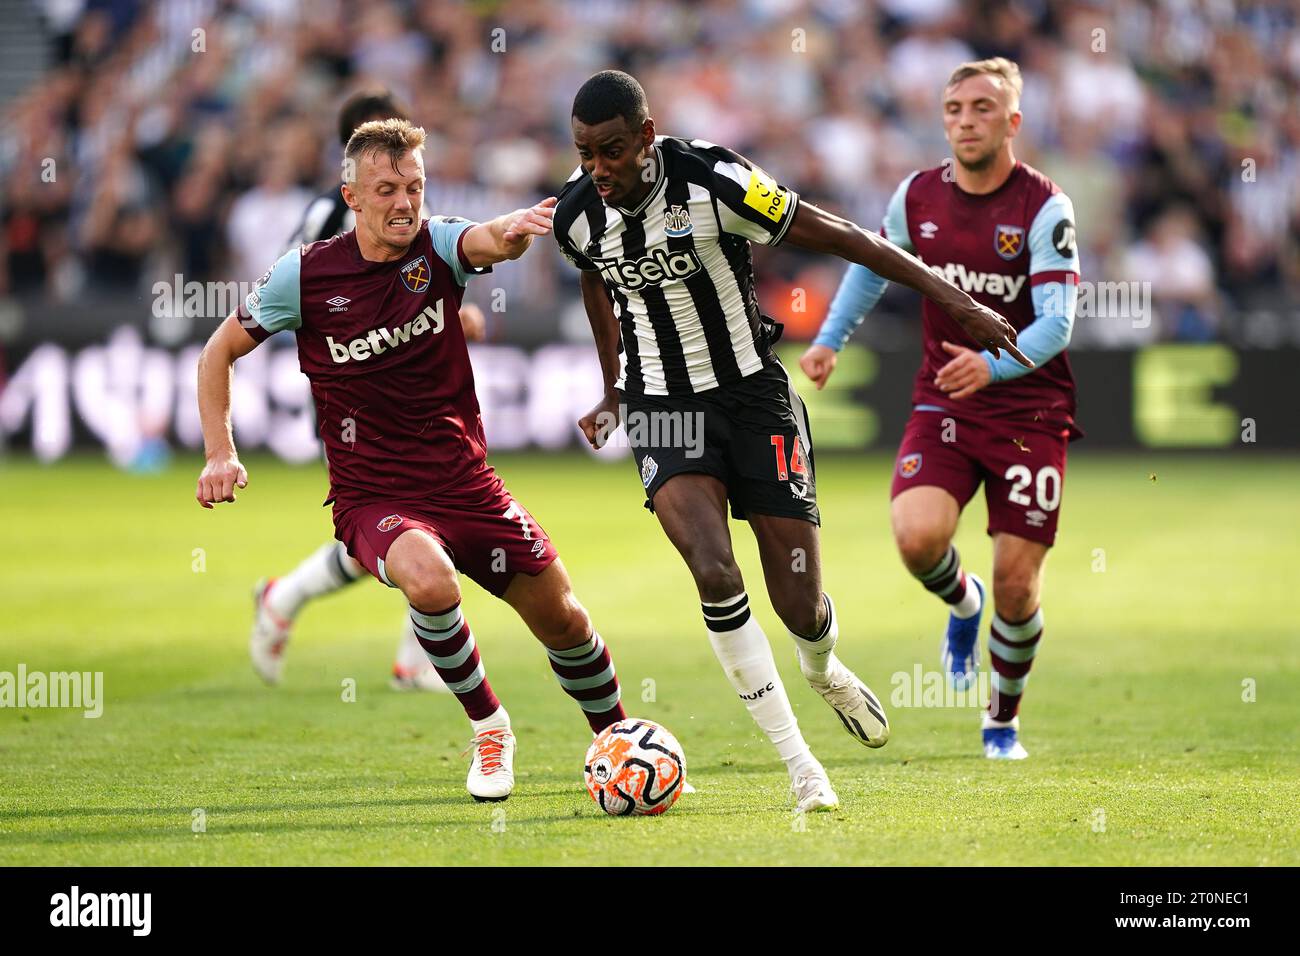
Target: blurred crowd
{"x":187,"y":137}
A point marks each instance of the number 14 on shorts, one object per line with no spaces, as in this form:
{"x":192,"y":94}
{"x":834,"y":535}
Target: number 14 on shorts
{"x":796,"y":466}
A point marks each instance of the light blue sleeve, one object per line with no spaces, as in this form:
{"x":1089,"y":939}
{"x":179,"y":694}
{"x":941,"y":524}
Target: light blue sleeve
{"x":1046,"y":336}
{"x":1053,"y":249}
{"x":275,"y":304}
{"x":445,"y":231}
{"x":1052,"y":245}
{"x":861,"y":289}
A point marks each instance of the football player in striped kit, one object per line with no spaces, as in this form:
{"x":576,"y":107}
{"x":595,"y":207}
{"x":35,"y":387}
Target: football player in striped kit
{"x":660,"y":228}
{"x":1006,"y":232}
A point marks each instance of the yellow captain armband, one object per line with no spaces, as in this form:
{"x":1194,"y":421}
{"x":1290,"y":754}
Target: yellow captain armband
{"x":766,"y":196}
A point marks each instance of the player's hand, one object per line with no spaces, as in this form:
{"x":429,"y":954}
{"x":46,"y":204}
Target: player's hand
{"x":523,"y":224}
{"x":473,"y":322}
{"x":599,"y":423}
{"x":965,"y":374}
{"x":818,"y":363}
{"x":989,"y":329}
{"x":219,"y":479}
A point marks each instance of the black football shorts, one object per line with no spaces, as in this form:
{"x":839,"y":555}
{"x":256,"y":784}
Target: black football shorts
{"x":754,"y":437}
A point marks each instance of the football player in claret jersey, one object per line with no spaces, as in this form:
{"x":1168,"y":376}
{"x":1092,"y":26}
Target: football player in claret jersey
{"x":375,"y":316}
{"x":660,"y":228}
{"x":1005,"y":232}
{"x":278,"y":601}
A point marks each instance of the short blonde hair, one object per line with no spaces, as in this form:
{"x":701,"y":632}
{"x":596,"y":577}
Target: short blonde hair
{"x":389,"y":137}
{"x":998,"y":66}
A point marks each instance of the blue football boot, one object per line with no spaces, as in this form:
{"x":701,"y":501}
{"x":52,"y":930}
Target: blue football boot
{"x":960,"y":650}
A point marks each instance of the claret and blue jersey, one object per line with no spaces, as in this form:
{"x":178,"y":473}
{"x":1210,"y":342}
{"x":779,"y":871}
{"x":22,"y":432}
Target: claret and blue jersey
{"x":1013,"y":250}
{"x":383,"y":348}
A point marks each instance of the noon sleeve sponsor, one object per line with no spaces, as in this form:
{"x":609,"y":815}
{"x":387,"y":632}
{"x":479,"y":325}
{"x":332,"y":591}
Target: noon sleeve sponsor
{"x":750,"y":202}
{"x":1053,"y":243}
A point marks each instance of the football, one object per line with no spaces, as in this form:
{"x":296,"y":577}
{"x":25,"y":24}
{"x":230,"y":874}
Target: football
{"x":635,"y":767}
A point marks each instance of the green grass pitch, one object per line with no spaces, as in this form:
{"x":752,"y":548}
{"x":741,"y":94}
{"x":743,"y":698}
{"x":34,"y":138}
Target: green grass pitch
{"x":1170,"y":604}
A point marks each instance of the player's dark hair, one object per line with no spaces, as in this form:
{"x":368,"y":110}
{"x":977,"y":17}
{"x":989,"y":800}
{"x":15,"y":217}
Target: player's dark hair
{"x":608,"y":94}
{"x":368,"y":105}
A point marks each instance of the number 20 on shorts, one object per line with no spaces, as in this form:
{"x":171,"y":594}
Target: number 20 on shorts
{"x":1047,"y":486}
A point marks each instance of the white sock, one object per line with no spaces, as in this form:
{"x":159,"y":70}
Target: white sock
{"x":969,"y":605}
{"x":746,"y":658}
{"x":411,"y":658}
{"x":496,"y":720}
{"x":988,"y":723}
{"x":324,"y":571}
{"x":815,"y":652}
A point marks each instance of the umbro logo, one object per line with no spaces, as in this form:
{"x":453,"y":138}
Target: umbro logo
{"x":928,"y":230}
{"x":338,"y":303}
{"x":1035,"y":518}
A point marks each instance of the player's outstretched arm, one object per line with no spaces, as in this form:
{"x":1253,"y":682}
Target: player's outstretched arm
{"x":603,"y":419}
{"x":859,"y":291}
{"x":508,"y":236}
{"x":819,"y":231}
{"x":222,"y":473}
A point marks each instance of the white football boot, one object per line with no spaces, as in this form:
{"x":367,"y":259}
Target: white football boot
{"x":425,"y":678}
{"x":412,"y":669}
{"x":492,"y":771}
{"x":269,"y":637}
{"x":858,"y":709}
{"x":812,"y":790}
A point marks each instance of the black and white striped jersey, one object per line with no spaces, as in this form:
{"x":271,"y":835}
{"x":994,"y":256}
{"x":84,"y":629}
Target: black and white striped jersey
{"x":679,"y":267}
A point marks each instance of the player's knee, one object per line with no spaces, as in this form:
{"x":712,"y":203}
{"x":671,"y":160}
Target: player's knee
{"x":576,"y":626}
{"x":717,"y":577}
{"x":921,"y":547}
{"x":421,"y":569}
{"x":801,"y":613}
{"x":1015,"y":594}
{"x":430,"y":588}
{"x":432,"y":595}
{"x":564,"y":624}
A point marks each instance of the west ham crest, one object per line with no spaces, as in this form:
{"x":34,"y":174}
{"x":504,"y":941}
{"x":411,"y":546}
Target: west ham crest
{"x":1008,"y":241}
{"x":389,"y":523}
{"x":415,"y":275}
{"x":909,"y":465}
